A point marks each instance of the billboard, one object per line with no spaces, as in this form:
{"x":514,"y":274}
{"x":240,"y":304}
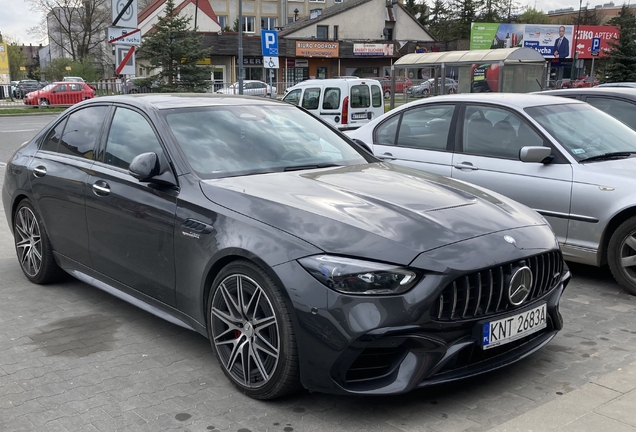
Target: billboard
{"x":554,"y":41}
{"x":4,"y":64}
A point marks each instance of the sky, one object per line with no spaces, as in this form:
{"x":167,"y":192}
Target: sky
{"x":16,"y":17}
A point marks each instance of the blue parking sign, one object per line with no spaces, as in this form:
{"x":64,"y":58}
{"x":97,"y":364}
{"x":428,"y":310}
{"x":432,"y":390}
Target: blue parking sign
{"x":269,"y":43}
{"x":596,"y":46}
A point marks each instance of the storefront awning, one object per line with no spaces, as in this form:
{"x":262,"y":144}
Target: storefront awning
{"x":456,"y":58}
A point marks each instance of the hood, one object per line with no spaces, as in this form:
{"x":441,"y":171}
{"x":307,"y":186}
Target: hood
{"x":376,"y":211}
{"x":616,"y":171}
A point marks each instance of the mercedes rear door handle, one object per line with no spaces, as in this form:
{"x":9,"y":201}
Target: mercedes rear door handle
{"x":465,"y":166}
{"x":39,"y":171}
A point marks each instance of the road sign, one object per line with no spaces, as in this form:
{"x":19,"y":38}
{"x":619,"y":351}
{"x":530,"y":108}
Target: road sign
{"x":124,"y":36}
{"x":124,"y":13}
{"x":125,"y":59}
{"x":269,"y":43}
{"x":596,"y":46}
{"x":270,"y":62}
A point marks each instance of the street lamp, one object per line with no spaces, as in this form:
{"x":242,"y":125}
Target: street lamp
{"x":576,"y":42}
{"x":296,"y":14}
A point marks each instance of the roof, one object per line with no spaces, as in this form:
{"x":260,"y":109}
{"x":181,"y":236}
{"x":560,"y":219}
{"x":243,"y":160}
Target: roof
{"x":515,"y":100}
{"x":184,"y":100}
{"x":204,"y":6}
{"x":624,"y":92}
{"x":306,"y":21}
{"x":471,"y":56}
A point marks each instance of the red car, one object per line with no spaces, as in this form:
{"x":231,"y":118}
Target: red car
{"x":401,"y":84}
{"x":60,"y":93}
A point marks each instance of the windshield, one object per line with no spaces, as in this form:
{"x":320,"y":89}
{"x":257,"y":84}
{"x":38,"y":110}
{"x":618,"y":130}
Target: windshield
{"x":225,"y":141}
{"x":583,"y":130}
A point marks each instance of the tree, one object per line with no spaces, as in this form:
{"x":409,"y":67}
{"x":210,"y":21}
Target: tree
{"x":418,"y":9}
{"x":533,"y":16}
{"x":622,"y":65}
{"x":75,"y":27}
{"x":439,"y":22}
{"x":175,"y":50}
{"x":56,"y":70}
{"x":588,"y":17}
{"x":465,"y":12}
{"x":17,"y":59}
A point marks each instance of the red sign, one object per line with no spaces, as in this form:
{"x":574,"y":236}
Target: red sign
{"x":587,"y":33}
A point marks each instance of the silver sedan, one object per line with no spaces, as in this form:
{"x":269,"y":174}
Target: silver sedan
{"x":570,"y":162}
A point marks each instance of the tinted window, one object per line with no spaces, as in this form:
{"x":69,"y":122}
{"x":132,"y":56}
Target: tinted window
{"x":360,"y":97}
{"x":52,"y":139}
{"x":426,"y":127}
{"x":331,"y":99}
{"x":310,"y":98}
{"x":293,"y":96}
{"x":620,"y":109}
{"x":130,"y":135}
{"x":82,"y":131}
{"x":385,"y":134}
{"x":376,"y":96}
{"x":490,"y":131}
{"x":60,"y":88}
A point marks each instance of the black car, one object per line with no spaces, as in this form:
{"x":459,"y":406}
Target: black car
{"x":304,"y":259}
{"x":619,"y":102}
{"x":26,"y":86}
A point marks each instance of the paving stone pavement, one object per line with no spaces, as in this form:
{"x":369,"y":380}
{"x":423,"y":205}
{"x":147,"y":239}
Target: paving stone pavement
{"x":73,"y":358}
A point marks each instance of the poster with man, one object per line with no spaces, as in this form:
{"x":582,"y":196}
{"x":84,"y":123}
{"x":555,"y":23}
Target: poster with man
{"x":552,"y":41}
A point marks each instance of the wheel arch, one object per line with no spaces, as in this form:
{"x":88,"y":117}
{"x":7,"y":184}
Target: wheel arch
{"x":16,"y":202}
{"x":612,"y":225}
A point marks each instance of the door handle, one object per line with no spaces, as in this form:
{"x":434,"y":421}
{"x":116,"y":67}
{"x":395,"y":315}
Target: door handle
{"x":39,"y":171}
{"x":387,"y":156}
{"x":101,"y":188}
{"x":465,"y":166}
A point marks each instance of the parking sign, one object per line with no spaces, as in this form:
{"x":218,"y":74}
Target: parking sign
{"x":269,"y":43}
{"x":596,"y":46}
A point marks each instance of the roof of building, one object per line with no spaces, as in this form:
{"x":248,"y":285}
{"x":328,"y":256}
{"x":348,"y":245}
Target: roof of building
{"x":204,"y":6}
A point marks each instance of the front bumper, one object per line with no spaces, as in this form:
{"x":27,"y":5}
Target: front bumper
{"x":392,"y":344}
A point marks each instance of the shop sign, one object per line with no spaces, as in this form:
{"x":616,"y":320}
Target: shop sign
{"x":373,"y":49}
{"x":251,"y":61}
{"x":317,"y":49}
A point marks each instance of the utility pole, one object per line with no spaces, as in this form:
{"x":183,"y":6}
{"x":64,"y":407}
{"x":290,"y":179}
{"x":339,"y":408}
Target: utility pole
{"x":240,"y":49}
{"x":576,"y":42}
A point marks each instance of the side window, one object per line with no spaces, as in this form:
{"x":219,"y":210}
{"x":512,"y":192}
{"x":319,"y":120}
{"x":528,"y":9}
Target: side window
{"x":60,"y":88}
{"x":311,"y":98}
{"x":621,"y":110}
{"x":293,"y":97}
{"x":426,"y":127}
{"x":385,"y":134}
{"x":331,"y":99}
{"x":52,"y":140}
{"x":82,"y":131}
{"x":376,"y":96}
{"x":360,"y":96}
{"x":497,"y":132}
{"x":130,"y":135}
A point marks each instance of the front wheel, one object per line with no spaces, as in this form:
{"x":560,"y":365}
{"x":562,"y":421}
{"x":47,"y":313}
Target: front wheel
{"x":44,"y":103}
{"x":32,"y":246}
{"x":251,"y":332}
{"x":621,"y":255}
{"x":387,"y":94}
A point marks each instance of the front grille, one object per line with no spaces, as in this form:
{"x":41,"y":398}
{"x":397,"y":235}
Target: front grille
{"x":374,"y":363}
{"x":485,"y":292}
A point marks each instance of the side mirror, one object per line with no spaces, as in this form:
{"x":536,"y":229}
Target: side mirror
{"x":144,"y":166}
{"x":363,"y":145}
{"x":535,"y":154}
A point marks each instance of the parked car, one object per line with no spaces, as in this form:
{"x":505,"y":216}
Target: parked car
{"x":141,"y":85}
{"x":303,"y":258}
{"x":618,"y":84}
{"x":426,"y":88}
{"x":618,"y":102}
{"x":569,"y":161}
{"x":26,"y":86}
{"x":73,"y":79}
{"x":401,"y":84}
{"x":60,"y":93}
{"x":251,"y":88}
{"x":346,"y":103}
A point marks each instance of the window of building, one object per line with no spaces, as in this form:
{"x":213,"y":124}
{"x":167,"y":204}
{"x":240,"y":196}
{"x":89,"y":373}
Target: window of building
{"x":335,"y":32}
{"x":315,"y":13}
{"x":248,"y":24}
{"x":290,"y":20}
{"x":222,"y":20}
{"x":322,"y":32}
{"x":269,"y":23}
{"x":316,"y":1}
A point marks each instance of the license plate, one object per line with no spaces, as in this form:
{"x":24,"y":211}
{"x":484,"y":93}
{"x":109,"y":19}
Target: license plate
{"x":358,"y":116}
{"x":505,"y":330}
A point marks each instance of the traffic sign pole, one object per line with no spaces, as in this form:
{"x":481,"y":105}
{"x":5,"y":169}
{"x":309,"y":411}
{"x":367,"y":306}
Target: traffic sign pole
{"x":269,"y":49}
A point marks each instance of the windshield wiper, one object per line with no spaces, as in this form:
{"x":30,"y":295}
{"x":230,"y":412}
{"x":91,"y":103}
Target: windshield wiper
{"x":612,"y":155}
{"x":311,"y":166}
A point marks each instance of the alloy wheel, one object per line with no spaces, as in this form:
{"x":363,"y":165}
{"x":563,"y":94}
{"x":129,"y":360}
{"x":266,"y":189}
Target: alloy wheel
{"x":628,"y":255}
{"x":28,"y":241}
{"x":245,"y":331}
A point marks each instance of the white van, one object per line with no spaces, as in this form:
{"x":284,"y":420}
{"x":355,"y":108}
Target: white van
{"x":346,"y":103}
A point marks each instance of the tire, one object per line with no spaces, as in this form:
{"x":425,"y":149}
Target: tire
{"x":387,"y":94}
{"x":44,"y":103}
{"x":33,"y":247}
{"x":621,"y":255}
{"x":452,"y":91}
{"x":262,"y":329}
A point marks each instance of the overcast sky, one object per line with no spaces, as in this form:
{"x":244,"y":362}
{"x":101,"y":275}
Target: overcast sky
{"x":16,"y":18}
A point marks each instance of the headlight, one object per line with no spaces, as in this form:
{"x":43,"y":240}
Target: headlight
{"x":352,"y":276}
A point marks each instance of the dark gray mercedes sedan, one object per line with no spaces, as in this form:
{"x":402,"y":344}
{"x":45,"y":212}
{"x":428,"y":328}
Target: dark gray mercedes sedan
{"x":304,"y":259}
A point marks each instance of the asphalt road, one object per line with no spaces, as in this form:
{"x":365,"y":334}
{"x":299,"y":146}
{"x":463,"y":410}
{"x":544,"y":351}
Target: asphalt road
{"x":75,"y":358}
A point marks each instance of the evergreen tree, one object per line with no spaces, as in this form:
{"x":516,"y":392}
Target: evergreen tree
{"x":465,"y":12}
{"x":588,"y":17}
{"x":418,"y":9}
{"x":622,"y":66}
{"x":176,"y":50}
{"x":439,"y":23}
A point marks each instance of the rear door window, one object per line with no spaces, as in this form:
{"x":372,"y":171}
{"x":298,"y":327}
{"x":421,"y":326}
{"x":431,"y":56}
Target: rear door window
{"x":82,"y":131}
{"x":360,"y":96}
{"x":311,"y":98}
{"x":376,"y":96}
{"x":331,"y":99}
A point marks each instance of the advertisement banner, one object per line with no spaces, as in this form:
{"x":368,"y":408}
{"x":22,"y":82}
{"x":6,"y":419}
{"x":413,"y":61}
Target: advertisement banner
{"x":554,"y":41}
{"x":4,"y":64}
{"x":373,"y":49}
{"x":317,"y":49}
